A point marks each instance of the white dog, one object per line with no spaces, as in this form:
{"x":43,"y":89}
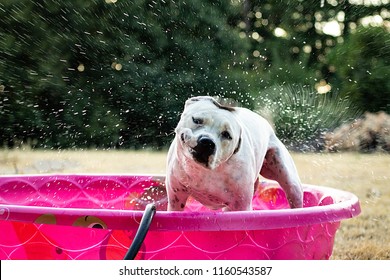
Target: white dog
{"x":218,"y":153}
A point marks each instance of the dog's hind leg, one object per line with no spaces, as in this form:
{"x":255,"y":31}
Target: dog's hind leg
{"x":278,"y":165}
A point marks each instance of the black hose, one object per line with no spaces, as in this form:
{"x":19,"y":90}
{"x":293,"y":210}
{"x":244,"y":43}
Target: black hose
{"x":143,"y":229}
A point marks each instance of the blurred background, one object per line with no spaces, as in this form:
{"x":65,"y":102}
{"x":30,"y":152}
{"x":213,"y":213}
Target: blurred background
{"x":115,"y":74}
{"x":97,"y":86}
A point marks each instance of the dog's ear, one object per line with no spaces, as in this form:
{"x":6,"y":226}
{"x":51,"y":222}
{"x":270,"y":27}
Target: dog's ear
{"x":192,"y":100}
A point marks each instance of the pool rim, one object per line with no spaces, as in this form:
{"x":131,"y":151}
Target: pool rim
{"x":347,"y":206}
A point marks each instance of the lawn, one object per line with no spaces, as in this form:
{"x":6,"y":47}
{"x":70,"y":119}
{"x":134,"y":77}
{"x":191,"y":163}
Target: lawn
{"x":366,"y":175}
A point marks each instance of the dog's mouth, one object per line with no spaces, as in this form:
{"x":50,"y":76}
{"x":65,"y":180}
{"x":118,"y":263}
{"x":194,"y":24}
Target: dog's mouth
{"x":203,"y":150}
{"x":200,"y":158}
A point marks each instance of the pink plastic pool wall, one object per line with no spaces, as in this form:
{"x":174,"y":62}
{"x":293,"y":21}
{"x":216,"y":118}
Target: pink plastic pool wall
{"x":97,"y":216}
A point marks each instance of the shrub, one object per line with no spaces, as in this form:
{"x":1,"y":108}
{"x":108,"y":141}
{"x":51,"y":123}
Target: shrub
{"x":301,"y":116}
{"x":367,"y":134}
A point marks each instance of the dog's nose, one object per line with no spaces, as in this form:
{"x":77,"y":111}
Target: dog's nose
{"x":205,"y":146}
{"x":204,"y":149}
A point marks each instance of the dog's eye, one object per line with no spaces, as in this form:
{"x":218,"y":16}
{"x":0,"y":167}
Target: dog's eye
{"x":197,"y":121}
{"x":226,"y":135}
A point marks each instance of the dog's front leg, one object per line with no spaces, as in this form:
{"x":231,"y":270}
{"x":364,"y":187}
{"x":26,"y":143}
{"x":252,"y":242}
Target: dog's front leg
{"x":177,"y":200}
{"x":177,"y":195}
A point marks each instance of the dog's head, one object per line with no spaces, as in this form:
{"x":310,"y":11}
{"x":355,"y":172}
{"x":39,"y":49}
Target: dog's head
{"x":208,"y":132}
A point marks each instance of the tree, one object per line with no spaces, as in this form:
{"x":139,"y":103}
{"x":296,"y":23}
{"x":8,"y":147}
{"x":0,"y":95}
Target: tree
{"x":113,"y":73}
{"x":290,"y":40}
{"x":116,"y":73}
{"x":362,"y":68}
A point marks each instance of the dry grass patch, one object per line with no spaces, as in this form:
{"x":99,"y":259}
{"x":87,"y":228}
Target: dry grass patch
{"x":366,"y":175}
{"x":81,"y":161}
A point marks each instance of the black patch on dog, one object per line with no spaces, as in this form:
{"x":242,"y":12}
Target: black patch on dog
{"x":238,"y":146}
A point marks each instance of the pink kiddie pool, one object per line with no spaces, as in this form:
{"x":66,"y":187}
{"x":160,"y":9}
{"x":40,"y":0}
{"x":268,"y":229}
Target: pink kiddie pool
{"x":98,"y":217}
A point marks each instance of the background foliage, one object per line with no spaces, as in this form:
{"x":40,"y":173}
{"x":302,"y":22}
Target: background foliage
{"x":116,"y":73}
{"x":364,"y":74}
{"x":301,"y":116}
